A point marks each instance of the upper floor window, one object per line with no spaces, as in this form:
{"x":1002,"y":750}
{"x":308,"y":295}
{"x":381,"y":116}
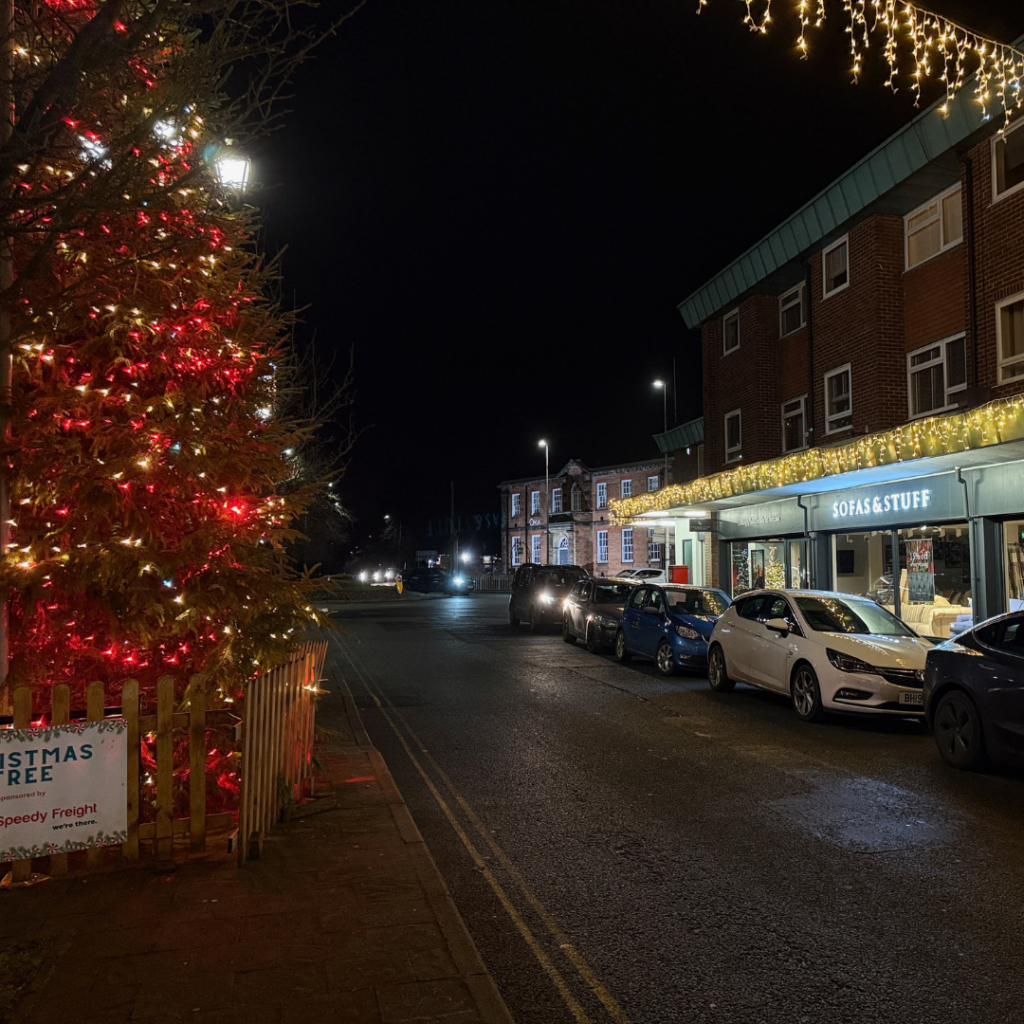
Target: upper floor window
{"x":934,"y":374}
{"x":602,"y":494}
{"x":627,"y":545}
{"x":653,"y":482}
{"x":1007,"y":163}
{"x":1010,"y":337}
{"x":517,"y":508}
{"x":733,"y":436}
{"x":838,"y":399}
{"x":730,"y":331}
{"x":791,"y":311}
{"x":835,"y":266}
{"x":626,"y":488}
{"x":534,"y":502}
{"x":794,"y":424}
{"x":934,"y":227}
{"x":556,"y":499}
{"x":576,"y":498}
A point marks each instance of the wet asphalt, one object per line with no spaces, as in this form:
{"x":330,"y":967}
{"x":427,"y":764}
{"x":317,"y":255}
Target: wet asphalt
{"x":691,"y":856}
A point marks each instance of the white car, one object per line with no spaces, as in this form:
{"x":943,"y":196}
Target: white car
{"x":826,"y":651}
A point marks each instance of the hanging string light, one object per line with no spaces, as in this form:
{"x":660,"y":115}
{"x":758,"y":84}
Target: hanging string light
{"x":938,"y":49}
{"x":995,"y":423}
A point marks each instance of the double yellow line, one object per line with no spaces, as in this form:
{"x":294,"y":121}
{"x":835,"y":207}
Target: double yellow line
{"x":404,"y":735}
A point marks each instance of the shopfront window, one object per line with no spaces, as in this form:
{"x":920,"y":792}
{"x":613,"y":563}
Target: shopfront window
{"x":1013,"y":563}
{"x":776,"y":564}
{"x":932,"y":577}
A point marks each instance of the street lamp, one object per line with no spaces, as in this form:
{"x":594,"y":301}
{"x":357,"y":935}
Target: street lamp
{"x":664,"y":394}
{"x":231,"y":165}
{"x":547,"y":503}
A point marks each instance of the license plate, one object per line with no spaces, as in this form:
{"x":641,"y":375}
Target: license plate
{"x":911,"y":698}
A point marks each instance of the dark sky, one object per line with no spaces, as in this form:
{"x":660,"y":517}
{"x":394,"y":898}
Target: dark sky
{"x":500,"y":203}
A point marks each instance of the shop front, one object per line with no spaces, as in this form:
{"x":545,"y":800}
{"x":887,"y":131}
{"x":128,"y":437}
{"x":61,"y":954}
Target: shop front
{"x":937,"y":549}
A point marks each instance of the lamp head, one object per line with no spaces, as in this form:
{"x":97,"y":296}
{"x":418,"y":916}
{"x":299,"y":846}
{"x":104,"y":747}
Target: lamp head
{"x":659,"y":383}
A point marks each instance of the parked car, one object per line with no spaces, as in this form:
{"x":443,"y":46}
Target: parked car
{"x":592,"y":612}
{"x":625,"y":574}
{"x":824,"y":650}
{"x":974,"y":693}
{"x":670,"y":623}
{"x":538,"y":592}
{"x":434,"y":580}
{"x":650,"y":575}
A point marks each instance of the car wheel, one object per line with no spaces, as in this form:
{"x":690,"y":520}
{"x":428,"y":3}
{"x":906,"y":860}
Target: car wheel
{"x":718,"y":675}
{"x":567,"y":635}
{"x":592,"y":645}
{"x":512,"y":618}
{"x":664,"y":660}
{"x":535,"y":622}
{"x":958,"y":732}
{"x":806,"y":694}
{"x":622,"y":654}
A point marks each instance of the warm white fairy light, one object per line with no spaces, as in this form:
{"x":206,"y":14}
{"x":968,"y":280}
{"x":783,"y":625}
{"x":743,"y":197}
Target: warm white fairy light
{"x":939,"y":49}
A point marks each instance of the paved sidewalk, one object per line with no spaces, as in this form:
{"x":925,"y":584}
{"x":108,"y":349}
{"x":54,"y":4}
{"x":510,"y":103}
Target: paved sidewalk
{"x":345,"y":918}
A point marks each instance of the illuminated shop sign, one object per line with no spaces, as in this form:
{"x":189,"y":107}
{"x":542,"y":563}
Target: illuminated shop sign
{"x":897,"y":501}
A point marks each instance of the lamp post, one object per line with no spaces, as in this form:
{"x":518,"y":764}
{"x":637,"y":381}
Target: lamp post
{"x":547,"y":504}
{"x":664,"y":394}
{"x":231,"y":165}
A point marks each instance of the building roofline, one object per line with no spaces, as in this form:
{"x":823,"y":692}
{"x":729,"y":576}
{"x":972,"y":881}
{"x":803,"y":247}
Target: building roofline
{"x":901,"y":157}
{"x":654,"y":461}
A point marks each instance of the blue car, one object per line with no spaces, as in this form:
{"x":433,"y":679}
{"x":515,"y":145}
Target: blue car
{"x":670,"y":623}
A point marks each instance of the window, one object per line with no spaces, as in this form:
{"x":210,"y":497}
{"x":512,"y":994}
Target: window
{"x":534,"y":502}
{"x":934,"y":227}
{"x":835,"y":267}
{"x":733,"y":436}
{"x":627,"y":545}
{"x":730,"y":332}
{"x":556,"y":499}
{"x":700,"y":460}
{"x":576,"y":498}
{"x":602,"y":494}
{"x":653,"y":547}
{"x":794,"y":424}
{"x":517,"y":548}
{"x":791,"y":311}
{"x":934,"y":374}
{"x":516,"y":504}
{"x":655,"y":601}
{"x":1010,"y":337}
{"x":637,"y":598}
{"x":838,"y":400}
{"x":563,"y":551}
{"x":625,"y":488}
{"x":535,"y":540}
{"x":602,"y":545}
{"x":1007,"y":164}
{"x":653,"y":482}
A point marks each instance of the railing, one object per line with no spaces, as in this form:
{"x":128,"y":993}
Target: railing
{"x":277,"y":746}
{"x":491,"y":583}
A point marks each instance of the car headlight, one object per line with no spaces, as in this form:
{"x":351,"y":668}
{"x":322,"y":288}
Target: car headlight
{"x":687,"y":633}
{"x":608,"y":623}
{"x":458,"y":581}
{"x":846,"y":663}
{"x":363,"y":577}
{"x":546,"y":598}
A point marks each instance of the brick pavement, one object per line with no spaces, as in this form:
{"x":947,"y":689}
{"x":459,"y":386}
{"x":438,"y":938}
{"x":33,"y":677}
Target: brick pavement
{"x":345,"y":918}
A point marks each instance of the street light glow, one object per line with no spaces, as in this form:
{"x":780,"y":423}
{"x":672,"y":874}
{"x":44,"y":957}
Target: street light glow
{"x":659,"y":383}
{"x":542,"y":444}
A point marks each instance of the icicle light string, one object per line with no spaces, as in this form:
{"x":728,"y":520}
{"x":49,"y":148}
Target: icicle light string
{"x":938,"y":49}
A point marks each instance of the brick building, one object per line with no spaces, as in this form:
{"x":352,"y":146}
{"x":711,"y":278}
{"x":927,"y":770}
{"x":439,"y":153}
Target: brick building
{"x":864,"y":374}
{"x":571,"y":526}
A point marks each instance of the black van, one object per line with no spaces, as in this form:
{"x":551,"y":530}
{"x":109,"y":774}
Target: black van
{"x":538,"y":592}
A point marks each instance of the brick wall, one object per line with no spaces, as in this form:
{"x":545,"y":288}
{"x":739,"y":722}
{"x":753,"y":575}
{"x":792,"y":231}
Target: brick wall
{"x":935,"y":299}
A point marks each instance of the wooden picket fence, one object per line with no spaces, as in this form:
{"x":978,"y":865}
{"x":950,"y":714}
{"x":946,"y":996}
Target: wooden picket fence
{"x":277,"y":723}
{"x":277,"y":747}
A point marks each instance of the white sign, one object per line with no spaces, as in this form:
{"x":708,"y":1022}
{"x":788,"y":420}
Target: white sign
{"x":62,"y":788}
{"x":898,"y":501}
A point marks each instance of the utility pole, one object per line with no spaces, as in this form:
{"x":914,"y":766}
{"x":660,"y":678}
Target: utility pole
{"x":547,"y":507}
{"x":455,"y":535}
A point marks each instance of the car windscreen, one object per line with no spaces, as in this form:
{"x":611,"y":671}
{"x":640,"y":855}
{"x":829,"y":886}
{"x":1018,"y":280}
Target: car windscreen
{"x":611,"y":593}
{"x":696,"y":602}
{"x":830,"y":615}
{"x":557,"y":577}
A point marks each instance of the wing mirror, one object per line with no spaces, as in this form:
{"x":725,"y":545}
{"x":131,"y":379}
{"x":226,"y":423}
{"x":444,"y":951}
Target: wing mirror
{"x":652,"y":611}
{"x":779,"y":625}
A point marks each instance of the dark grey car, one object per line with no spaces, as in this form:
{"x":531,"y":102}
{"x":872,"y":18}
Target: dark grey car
{"x":592,"y":612}
{"x":974,"y":693}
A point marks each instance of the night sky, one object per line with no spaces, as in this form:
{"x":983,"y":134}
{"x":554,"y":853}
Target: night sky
{"x":500,"y":203}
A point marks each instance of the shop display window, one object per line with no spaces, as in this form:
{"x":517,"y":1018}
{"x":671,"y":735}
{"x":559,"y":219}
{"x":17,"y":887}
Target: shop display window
{"x":777,"y":564}
{"x":1013,"y":564}
{"x":932,"y":578}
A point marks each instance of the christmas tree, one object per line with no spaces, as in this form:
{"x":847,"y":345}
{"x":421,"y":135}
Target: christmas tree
{"x":774,"y":571}
{"x":153,"y":480}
